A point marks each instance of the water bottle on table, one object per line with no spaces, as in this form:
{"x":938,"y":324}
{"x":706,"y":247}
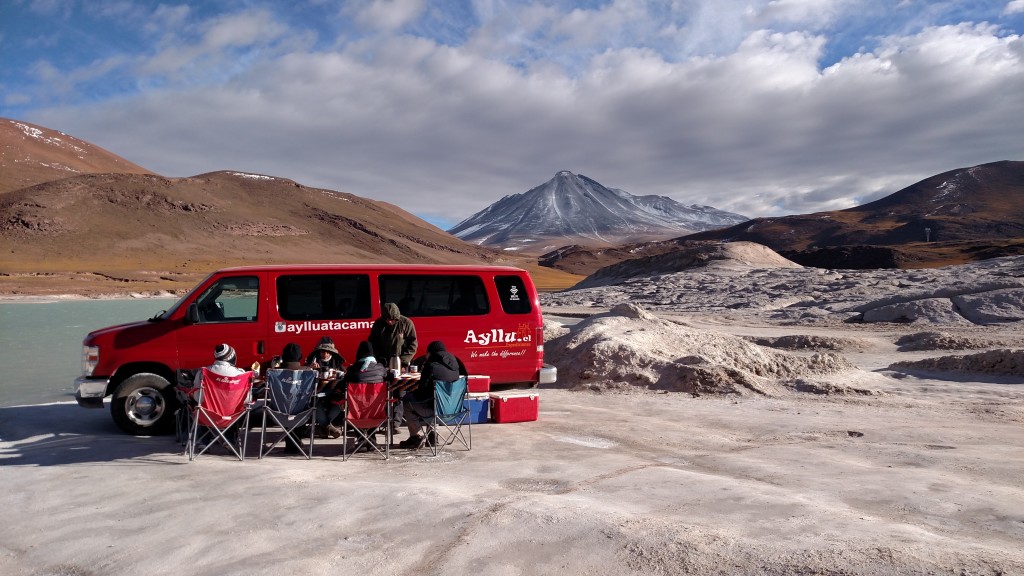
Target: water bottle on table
{"x":395,"y":367}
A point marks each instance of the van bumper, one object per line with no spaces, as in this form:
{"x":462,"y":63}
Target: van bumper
{"x":89,"y":392}
{"x":547,"y":375}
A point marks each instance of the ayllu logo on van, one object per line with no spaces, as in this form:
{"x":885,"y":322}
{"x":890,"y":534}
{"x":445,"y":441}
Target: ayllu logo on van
{"x":327,"y":326}
{"x":497,"y":336}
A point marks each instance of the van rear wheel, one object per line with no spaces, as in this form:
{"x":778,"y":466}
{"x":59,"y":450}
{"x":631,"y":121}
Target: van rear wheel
{"x":142,"y":405}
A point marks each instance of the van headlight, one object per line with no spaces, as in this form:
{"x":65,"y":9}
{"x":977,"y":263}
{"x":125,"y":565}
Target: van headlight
{"x":90,"y":358}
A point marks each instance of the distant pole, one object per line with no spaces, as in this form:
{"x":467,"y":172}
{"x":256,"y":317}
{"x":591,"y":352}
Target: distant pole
{"x":927,"y":234}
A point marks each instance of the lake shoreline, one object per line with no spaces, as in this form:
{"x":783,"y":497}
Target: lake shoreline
{"x":70,"y":297}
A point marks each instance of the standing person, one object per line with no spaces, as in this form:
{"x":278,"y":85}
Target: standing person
{"x":439,"y":364}
{"x":393,"y":335}
{"x":224,"y":359}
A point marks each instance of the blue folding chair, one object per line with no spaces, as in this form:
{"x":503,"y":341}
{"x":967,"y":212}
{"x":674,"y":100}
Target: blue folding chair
{"x":451,"y":414}
{"x":289,"y":402}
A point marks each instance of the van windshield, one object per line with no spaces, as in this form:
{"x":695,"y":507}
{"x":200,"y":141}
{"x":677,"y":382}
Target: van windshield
{"x":170,"y":311}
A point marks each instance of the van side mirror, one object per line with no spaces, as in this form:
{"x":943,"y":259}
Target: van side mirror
{"x":192,"y":314}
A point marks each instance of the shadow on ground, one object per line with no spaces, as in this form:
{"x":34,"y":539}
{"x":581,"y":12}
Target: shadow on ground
{"x":59,"y":434}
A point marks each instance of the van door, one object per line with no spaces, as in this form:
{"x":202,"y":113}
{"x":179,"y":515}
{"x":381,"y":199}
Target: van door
{"x":230,"y":309}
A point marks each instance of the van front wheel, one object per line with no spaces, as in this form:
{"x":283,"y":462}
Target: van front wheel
{"x":141,"y":405}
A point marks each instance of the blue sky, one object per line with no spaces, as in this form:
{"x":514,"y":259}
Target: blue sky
{"x":762,"y":107}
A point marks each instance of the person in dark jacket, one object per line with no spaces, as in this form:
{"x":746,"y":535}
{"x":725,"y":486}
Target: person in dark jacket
{"x":438,"y":364}
{"x":290,"y":359}
{"x":365,"y":369}
{"x":325,"y":356}
{"x":394,"y":335}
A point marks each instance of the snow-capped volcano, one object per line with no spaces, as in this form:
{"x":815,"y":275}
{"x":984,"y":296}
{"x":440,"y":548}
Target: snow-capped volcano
{"x":574,"y":209}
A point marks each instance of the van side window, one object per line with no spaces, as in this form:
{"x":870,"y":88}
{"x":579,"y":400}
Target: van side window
{"x":513,"y":295}
{"x":323,"y":296}
{"x":435,"y":295}
{"x":234,"y":299}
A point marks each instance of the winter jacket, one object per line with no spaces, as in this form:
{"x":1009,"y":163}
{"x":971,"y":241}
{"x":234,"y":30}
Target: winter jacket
{"x":365,"y":370}
{"x":398,"y":339}
{"x":439,"y":365}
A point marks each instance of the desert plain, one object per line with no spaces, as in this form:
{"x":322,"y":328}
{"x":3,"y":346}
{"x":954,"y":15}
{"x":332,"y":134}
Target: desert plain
{"x":745,"y":417}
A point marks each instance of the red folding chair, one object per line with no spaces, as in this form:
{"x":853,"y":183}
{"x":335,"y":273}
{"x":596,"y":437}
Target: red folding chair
{"x":221,"y":402}
{"x":367,"y":413}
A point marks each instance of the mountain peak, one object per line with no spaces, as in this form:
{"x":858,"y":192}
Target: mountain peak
{"x":574,"y":209}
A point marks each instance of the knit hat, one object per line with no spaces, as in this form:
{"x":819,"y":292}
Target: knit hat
{"x":291,"y":353}
{"x":365,"y":350}
{"x":435,"y":347}
{"x":326,"y":343}
{"x":224,"y":353}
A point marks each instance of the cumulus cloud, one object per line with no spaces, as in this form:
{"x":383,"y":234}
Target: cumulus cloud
{"x":813,"y":13}
{"x":749,"y":117}
{"x":209,"y":49}
{"x":386,"y":15}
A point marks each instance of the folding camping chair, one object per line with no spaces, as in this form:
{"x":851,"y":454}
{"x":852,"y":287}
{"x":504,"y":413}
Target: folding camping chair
{"x":289,"y":402}
{"x":367,"y":413}
{"x":184,"y":388}
{"x":451,"y":412}
{"x":220,"y":402}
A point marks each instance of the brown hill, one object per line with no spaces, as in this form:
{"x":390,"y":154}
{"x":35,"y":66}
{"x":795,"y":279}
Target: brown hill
{"x":76,"y":219}
{"x":584,"y":260}
{"x":118,"y":232}
{"x":952,"y":217}
{"x":31,"y":154}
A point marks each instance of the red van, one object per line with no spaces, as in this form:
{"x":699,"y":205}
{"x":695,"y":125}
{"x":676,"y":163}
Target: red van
{"x":489,"y":316}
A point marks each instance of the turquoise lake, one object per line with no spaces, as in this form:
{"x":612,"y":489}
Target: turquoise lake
{"x":41,"y":343}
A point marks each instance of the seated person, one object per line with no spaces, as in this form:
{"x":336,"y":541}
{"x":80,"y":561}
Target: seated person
{"x":438,"y":364}
{"x":292,"y":352}
{"x":224,"y":358}
{"x":291,"y":359}
{"x":325,"y":356}
{"x":365,"y":369}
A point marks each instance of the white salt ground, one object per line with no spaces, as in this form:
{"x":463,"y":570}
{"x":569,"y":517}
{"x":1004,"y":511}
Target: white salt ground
{"x":833,"y":456}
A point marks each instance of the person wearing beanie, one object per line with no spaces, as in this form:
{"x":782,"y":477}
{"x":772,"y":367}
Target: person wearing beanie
{"x":224,"y":353}
{"x":439,"y":364}
{"x":224,"y":359}
{"x":291,"y":357}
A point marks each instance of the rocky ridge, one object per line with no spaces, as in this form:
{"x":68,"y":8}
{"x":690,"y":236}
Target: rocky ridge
{"x":982,"y":293}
